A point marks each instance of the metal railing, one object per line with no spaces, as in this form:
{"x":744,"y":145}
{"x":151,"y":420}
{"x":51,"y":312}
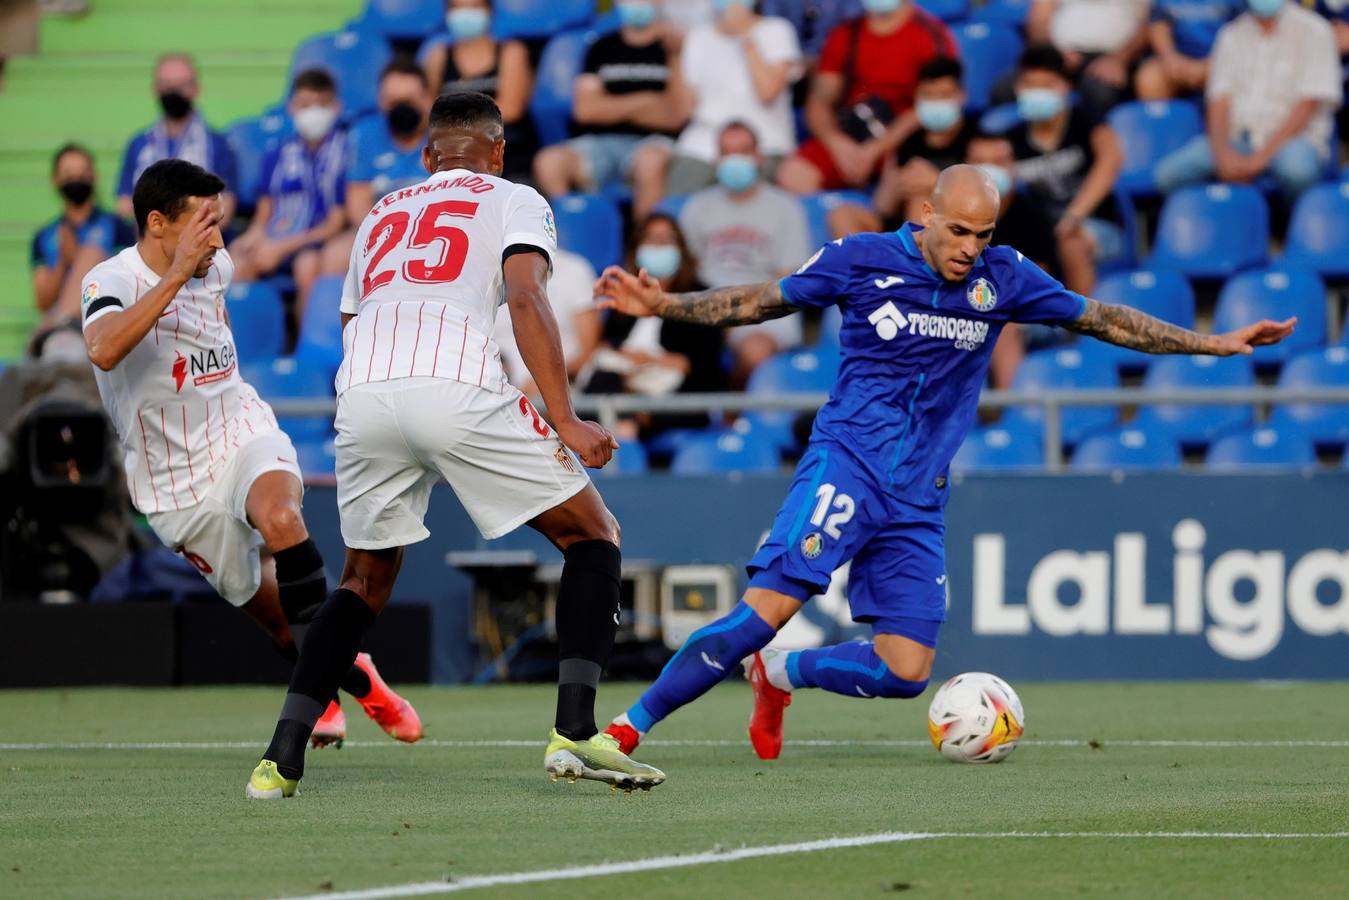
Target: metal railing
{"x":608,"y":409}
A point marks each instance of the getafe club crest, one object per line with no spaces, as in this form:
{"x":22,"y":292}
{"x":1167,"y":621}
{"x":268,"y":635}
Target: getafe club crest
{"x":981,"y":295}
{"x":812,"y":545}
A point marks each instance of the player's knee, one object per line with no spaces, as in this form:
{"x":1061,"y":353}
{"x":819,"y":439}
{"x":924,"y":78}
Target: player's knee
{"x":897,"y":687}
{"x":604,"y":528}
{"x":282,"y":522}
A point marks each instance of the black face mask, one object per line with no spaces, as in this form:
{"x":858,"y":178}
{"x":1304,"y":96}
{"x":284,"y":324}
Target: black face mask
{"x":175,"y":105}
{"x":405,"y":119}
{"x":77,"y":192}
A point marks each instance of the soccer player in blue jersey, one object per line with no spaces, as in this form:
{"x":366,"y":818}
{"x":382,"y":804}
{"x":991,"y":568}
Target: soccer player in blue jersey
{"x":922,"y":308}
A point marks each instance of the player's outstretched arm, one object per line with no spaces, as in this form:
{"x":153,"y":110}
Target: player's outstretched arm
{"x":641,"y":295}
{"x":1128,"y":327}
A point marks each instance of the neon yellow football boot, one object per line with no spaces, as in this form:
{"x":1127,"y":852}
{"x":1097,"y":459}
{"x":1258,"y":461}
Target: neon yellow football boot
{"x":598,"y":759}
{"x":268,"y":784}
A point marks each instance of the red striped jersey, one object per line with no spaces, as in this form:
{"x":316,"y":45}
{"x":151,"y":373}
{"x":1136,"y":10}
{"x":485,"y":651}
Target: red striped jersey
{"x":425,"y":279}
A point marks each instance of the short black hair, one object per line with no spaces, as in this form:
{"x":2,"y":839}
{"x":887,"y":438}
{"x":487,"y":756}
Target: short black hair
{"x":314,"y":80}
{"x":70,"y":147}
{"x":741,"y":125}
{"x":166,"y":186}
{"x":1043,"y":57}
{"x":941,"y":67}
{"x":402,"y":66}
{"x":466,"y":111}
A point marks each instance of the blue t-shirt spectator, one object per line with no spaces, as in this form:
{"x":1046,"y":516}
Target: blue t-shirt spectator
{"x":102,"y":229}
{"x":304,"y":185}
{"x":1195,"y":23}
{"x":197,"y":144}
{"x":374,"y":158}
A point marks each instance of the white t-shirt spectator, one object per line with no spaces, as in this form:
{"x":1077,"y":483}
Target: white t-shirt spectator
{"x":570,"y":293}
{"x":760,"y":239}
{"x":1265,"y":75}
{"x":689,"y":14}
{"x":715,"y":67}
{"x":1096,"y":26}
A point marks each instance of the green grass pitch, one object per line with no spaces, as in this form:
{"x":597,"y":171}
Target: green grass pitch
{"x":1107,"y":781}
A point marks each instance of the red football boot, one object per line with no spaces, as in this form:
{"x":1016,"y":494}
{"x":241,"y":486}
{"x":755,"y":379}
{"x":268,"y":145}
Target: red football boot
{"x":765,"y":723}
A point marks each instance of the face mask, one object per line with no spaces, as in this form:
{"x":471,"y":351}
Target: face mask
{"x":661,"y":260}
{"x":314,"y":122}
{"x":938,"y":115}
{"x":1002,"y":179}
{"x":1039,"y":104}
{"x":737,"y":173}
{"x":881,"y":7}
{"x":468,"y":23}
{"x":405,"y":119}
{"x":1265,"y":9}
{"x":637,"y":14}
{"x":77,"y":192}
{"x":723,"y":5}
{"x":175,"y":105}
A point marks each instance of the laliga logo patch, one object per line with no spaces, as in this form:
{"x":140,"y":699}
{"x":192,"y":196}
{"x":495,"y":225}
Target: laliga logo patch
{"x":812,"y":545}
{"x":549,"y":226}
{"x":90,"y":293}
{"x":981,"y":295}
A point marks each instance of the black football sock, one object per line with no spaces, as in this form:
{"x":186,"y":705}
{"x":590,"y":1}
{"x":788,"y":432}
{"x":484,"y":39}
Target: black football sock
{"x":330,"y":645}
{"x":356,"y":682}
{"x":301,"y":581}
{"x":587,"y":619}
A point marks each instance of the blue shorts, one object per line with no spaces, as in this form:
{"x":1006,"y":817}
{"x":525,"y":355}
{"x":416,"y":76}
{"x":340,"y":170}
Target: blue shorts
{"x":608,"y":157}
{"x":836,"y":513}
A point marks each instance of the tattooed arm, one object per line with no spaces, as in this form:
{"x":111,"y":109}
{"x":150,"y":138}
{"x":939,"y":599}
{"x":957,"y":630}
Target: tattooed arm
{"x":739,"y":305}
{"x":1128,"y":327}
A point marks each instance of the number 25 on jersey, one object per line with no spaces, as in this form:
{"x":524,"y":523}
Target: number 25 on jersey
{"x":444,"y":246}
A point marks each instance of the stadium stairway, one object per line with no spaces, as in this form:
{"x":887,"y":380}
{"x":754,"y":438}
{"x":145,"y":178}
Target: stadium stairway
{"x":91,"y":83}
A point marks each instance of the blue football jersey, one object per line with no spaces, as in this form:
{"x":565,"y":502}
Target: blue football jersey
{"x":915,"y":349}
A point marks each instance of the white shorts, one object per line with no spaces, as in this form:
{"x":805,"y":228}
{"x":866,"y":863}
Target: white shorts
{"x":396,"y":439}
{"x":215,"y":535}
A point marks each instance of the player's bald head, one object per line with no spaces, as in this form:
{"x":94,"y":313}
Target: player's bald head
{"x":958,"y":220}
{"x":466,"y":131}
{"x":966,"y":192}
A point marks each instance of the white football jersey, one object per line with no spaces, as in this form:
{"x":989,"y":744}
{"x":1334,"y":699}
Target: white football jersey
{"x":177,"y":401}
{"x":426,"y":279}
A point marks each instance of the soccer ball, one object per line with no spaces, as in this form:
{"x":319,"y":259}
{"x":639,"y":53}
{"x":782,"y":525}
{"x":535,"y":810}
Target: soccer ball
{"x":975,"y":718}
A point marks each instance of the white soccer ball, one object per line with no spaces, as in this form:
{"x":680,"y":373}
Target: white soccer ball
{"x":976,"y":718}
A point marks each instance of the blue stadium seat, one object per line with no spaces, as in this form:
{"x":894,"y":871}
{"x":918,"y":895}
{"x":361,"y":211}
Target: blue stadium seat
{"x":1065,"y":369}
{"x":1263,"y":448}
{"x":1149,"y":131}
{"x":591,"y":225}
{"x":947,"y":10}
{"x":988,"y":52}
{"x":629,"y":459}
{"x":1132,"y":449}
{"x":539,"y":18}
{"x":1163,"y":293}
{"x":257,"y":320}
{"x":818,"y":206}
{"x":285,"y":378}
{"x":672,"y":205}
{"x":354,"y":59}
{"x":320,"y":342}
{"x":560,"y":63}
{"x":1275,"y":293}
{"x":316,"y":456}
{"x":251,"y":139}
{"x":1000,"y":119}
{"x":1327,"y":424}
{"x":404,"y":19}
{"x":728,"y":451}
{"x":1197,"y":426}
{"x":792,"y":372}
{"x":1003,"y":12}
{"x":1213,"y":231}
{"x":1010,"y":447}
{"x":1318,"y":235}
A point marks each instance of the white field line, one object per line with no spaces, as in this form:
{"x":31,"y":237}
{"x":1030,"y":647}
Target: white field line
{"x":509,"y":744}
{"x":716,"y":855}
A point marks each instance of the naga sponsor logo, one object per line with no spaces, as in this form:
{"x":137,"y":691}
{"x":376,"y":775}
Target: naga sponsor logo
{"x":966,"y":334}
{"x":204,"y":366}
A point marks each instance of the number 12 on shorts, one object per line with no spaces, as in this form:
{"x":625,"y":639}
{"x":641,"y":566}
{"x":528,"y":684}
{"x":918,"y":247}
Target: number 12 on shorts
{"x":827,"y":497}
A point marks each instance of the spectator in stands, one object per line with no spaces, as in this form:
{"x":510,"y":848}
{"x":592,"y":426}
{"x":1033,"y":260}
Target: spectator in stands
{"x":1273,"y":84}
{"x":740,"y":69}
{"x":303,"y":188}
{"x":651,"y":355}
{"x":1336,"y":12}
{"x":1181,"y":36}
{"x":1101,"y":41}
{"x":78,"y":239}
{"x":180,"y":134}
{"x":473,"y":60}
{"x":570,"y":292}
{"x":859,"y":109}
{"x":384,"y":152}
{"x":628,"y":101}
{"x":814,"y":20}
{"x":1070,"y":160}
{"x":744,"y":231}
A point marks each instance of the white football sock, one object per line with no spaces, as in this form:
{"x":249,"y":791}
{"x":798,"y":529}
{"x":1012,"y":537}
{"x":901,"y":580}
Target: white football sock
{"x":775,"y":666}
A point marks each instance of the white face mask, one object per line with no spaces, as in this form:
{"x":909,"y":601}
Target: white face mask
{"x":314,"y":122}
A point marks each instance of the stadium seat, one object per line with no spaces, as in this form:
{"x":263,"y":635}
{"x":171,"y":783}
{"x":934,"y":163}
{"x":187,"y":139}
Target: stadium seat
{"x":592,"y":226}
{"x":1327,"y":424}
{"x":257,"y":320}
{"x":672,"y":205}
{"x":1011,"y":447}
{"x":354,"y":59}
{"x":251,"y":139}
{"x":1149,"y":131}
{"x":1318,"y":235}
{"x":316,"y":456}
{"x":1264,"y":448}
{"x":1127,"y":448}
{"x":412,"y":20}
{"x":539,"y":18}
{"x":629,"y":459}
{"x":793,"y":372}
{"x":947,"y":11}
{"x":1003,"y":12}
{"x":1066,"y":369}
{"x":285,"y":378}
{"x":727,"y":451}
{"x":560,"y":63}
{"x":818,"y":206}
{"x":1196,"y":426}
{"x":988,"y":52}
{"x":320,"y":341}
{"x":1163,"y":293}
{"x":1275,"y":293}
{"x":1213,"y":231}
